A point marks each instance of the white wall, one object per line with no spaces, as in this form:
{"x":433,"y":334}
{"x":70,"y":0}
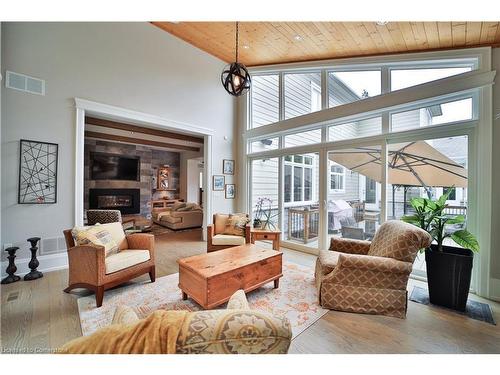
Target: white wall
{"x":495,"y":240}
{"x":131,"y":65}
{"x":193,"y":179}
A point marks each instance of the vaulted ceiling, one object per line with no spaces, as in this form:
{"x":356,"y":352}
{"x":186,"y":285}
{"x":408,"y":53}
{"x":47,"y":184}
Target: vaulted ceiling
{"x":280,"y":42}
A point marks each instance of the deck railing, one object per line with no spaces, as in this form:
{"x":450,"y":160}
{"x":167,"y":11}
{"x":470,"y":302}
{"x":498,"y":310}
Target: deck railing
{"x":303,"y":224}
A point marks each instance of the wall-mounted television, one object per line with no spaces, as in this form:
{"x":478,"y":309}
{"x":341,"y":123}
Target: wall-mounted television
{"x":114,"y":167}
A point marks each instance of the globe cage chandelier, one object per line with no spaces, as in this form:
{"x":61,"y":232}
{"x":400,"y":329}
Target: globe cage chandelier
{"x":235,"y":77}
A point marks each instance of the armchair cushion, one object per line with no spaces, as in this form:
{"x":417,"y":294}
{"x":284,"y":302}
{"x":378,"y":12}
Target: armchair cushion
{"x":399,"y":240}
{"x":226,"y":239}
{"x":220,"y":221}
{"x":235,"y":224}
{"x":125,"y":259}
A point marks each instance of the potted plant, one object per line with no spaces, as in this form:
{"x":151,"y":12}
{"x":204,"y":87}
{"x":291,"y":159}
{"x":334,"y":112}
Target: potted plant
{"x":449,"y":267}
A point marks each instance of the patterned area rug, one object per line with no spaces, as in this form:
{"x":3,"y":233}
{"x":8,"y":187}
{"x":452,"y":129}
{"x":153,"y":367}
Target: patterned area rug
{"x":296,"y":298}
{"x":475,"y":310}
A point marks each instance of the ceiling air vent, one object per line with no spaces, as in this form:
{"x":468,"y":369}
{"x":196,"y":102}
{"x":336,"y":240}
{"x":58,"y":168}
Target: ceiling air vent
{"x":25,"y":83}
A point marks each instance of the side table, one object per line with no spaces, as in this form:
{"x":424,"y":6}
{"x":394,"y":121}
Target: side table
{"x":266,"y":235}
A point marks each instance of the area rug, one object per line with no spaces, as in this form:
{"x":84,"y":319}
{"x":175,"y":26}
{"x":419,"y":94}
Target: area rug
{"x":296,"y":298}
{"x":475,"y":310}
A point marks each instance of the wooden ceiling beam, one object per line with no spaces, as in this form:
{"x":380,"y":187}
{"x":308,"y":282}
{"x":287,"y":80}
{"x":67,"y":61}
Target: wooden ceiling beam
{"x":139,"y":129}
{"x":146,"y":142}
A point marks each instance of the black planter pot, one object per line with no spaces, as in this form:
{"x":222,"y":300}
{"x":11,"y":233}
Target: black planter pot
{"x":448,"y":276}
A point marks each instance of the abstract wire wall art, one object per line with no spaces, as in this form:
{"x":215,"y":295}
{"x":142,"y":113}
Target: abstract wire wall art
{"x":37,"y":172}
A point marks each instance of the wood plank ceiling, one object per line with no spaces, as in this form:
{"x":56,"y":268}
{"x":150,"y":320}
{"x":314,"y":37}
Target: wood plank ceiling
{"x":281,"y":42}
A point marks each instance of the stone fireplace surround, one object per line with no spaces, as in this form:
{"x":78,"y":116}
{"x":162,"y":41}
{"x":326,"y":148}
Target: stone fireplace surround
{"x":150,"y":160}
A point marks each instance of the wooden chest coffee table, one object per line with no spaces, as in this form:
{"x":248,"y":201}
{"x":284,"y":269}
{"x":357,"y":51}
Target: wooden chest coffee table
{"x":211,"y":279}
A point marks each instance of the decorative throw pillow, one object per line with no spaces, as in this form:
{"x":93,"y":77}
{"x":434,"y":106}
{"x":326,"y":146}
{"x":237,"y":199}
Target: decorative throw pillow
{"x":236,"y":224}
{"x":95,"y":235}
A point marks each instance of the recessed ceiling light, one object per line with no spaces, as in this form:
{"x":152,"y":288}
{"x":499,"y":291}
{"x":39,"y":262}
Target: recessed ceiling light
{"x":246,"y":47}
{"x":382,"y":23}
{"x":297,"y":37}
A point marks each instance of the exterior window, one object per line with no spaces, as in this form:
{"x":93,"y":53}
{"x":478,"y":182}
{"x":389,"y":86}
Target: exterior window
{"x":337,"y":178}
{"x":453,"y":193}
{"x":298,"y":176}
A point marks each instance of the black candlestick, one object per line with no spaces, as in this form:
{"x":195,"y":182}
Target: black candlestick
{"x":11,"y":268}
{"x":33,"y":264}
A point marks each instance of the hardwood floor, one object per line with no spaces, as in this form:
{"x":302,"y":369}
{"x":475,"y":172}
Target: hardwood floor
{"x":37,"y":317}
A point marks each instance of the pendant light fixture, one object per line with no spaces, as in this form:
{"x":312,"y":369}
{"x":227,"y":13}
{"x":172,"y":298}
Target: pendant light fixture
{"x":235,"y":77}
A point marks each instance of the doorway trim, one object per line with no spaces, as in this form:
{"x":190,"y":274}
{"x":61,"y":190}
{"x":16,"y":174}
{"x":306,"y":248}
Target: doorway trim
{"x":86,"y":107}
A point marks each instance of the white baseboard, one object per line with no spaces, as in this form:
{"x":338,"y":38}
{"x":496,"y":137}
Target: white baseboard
{"x":52,"y":262}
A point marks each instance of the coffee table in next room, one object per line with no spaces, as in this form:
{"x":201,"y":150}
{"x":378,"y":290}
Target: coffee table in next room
{"x":211,"y":279}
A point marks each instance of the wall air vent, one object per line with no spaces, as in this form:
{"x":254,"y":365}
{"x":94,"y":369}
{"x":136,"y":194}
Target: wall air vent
{"x":22,"y":82}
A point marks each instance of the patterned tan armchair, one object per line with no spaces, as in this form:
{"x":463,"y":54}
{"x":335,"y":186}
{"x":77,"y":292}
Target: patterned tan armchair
{"x":370,"y":277}
{"x":236,"y":330}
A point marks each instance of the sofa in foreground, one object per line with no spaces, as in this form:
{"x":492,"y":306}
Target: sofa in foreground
{"x":235,"y":330}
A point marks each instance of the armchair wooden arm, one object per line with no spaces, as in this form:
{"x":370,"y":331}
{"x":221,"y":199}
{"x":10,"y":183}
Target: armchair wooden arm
{"x":142,"y":241}
{"x":248,"y":229}
{"x":86,"y":265}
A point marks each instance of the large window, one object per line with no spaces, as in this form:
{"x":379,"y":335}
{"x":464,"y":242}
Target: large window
{"x":329,"y":164}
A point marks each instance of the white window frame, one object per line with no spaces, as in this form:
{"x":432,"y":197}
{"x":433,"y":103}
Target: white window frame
{"x":343,"y":174}
{"x":316,"y":96}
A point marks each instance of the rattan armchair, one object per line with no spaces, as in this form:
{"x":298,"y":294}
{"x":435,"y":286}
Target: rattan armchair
{"x":90,"y":268}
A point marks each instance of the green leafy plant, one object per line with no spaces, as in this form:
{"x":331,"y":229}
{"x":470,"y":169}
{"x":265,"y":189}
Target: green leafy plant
{"x":429,"y":215}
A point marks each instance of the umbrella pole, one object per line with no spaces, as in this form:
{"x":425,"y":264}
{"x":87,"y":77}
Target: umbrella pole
{"x":393,"y":202}
{"x":404,"y":200}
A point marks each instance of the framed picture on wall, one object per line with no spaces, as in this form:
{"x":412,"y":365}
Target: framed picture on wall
{"x":163,"y":179}
{"x":218,"y":182}
{"x":37,"y":172}
{"x":228,"y":166}
{"x":230,"y":191}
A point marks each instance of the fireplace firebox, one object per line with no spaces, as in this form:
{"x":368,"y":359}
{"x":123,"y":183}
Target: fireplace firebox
{"x":125,"y":200}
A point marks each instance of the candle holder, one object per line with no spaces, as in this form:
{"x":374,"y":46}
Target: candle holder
{"x":11,"y":268}
{"x":33,"y":264}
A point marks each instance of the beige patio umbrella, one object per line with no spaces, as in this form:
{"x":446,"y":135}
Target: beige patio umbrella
{"x":410,"y":164}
